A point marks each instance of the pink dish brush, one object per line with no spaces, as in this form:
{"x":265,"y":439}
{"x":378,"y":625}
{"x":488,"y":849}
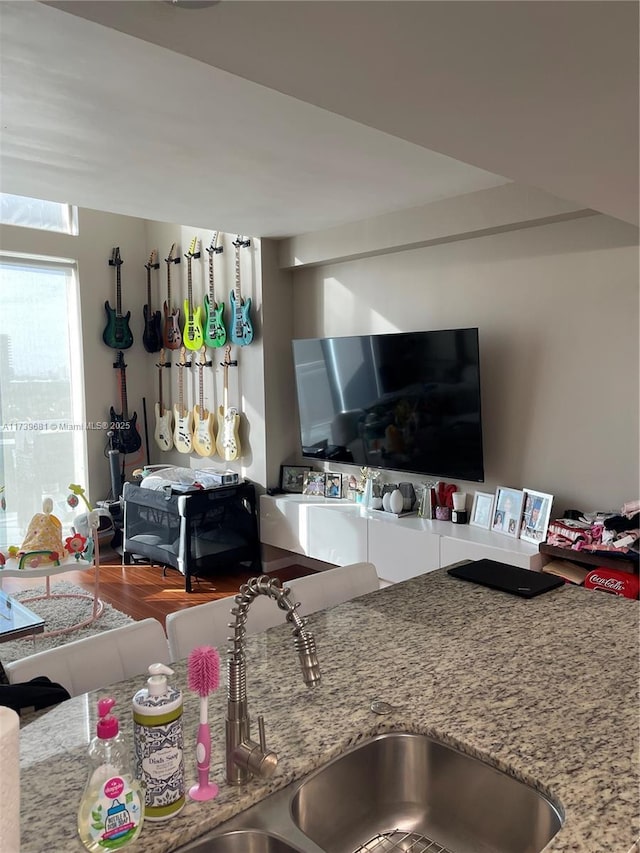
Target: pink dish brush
{"x":203,"y":672}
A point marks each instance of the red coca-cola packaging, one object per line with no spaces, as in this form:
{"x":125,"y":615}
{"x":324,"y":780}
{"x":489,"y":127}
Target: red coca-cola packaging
{"x":613,"y":580}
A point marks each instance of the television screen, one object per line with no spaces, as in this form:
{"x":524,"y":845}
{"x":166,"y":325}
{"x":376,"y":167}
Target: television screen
{"x":407,"y":402}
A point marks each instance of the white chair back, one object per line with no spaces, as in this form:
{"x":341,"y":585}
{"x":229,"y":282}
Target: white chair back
{"x":99,"y":660}
{"x":333,"y":586}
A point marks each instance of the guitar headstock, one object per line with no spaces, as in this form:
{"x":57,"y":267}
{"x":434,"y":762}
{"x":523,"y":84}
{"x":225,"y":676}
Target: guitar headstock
{"x":183,"y":358}
{"x":241,"y":242}
{"x":193,"y":245}
{"x":172,"y":254}
{"x":214,"y":248}
{"x":152,"y":263}
{"x":116,"y":260}
{"x":202,"y":357}
{"x":161,"y":362}
{"x":119,"y":362}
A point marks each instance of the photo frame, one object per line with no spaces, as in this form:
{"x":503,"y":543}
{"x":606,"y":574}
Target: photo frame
{"x":482,"y":510}
{"x":313,"y":483}
{"x":507,"y":511}
{"x":332,"y":485}
{"x":535,"y":516}
{"x":292,"y":478}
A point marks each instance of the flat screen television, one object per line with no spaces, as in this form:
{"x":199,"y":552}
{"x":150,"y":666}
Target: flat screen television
{"x":408,"y":401}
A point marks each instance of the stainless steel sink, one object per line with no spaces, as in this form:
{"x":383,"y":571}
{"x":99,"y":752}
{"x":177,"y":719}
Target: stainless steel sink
{"x":408,"y":783}
{"x":395,"y":792}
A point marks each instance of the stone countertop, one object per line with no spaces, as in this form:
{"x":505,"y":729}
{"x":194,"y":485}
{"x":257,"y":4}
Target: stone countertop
{"x":545,"y":688}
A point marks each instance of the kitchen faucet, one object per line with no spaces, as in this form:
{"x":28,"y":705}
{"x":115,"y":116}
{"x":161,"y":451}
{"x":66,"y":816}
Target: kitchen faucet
{"x":245,"y":758}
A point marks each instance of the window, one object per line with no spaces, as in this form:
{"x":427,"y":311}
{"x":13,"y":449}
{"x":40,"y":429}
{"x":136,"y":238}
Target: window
{"x":35,"y":213}
{"x":42,"y":437}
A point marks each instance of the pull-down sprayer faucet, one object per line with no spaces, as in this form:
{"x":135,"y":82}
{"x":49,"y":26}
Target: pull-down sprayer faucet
{"x":245,"y":758}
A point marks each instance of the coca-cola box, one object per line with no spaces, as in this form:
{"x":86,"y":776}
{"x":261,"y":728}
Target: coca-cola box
{"x":614,"y":581}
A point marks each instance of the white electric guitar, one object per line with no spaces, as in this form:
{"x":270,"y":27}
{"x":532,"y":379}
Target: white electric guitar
{"x":182,"y":416}
{"x":204,"y":442}
{"x":228,"y":441}
{"x":163,"y":433}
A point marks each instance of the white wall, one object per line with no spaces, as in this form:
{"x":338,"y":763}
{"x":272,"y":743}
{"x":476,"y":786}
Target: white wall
{"x":557,"y":311}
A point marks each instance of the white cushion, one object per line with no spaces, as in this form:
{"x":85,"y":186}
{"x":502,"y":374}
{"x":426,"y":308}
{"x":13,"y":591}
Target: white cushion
{"x":99,"y":660}
{"x":333,"y":586}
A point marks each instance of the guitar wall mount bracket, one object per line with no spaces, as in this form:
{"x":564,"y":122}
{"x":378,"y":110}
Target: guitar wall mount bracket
{"x":239,"y":242}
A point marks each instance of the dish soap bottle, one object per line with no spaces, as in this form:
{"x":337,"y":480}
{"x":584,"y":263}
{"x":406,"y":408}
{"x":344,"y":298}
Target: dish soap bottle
{"x":111,"y":811}
{"x":158,"y":744}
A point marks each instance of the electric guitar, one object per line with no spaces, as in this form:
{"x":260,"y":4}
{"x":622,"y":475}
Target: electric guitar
{"x":182,"y":417}
{"x":163,"y":433}
{"x":117,"y":333}
{"x":228,"y":441}
{"x":126,"y":437}
{"x":192,"y":332}
{"x":152,"y":334}
{"x":241,"y":328}
{"x":204,"y":442}
{"x":215,"y":334}
{"x":172,"y":336}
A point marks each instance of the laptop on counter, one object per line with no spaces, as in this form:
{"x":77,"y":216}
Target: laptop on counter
{"x":511,"y":579}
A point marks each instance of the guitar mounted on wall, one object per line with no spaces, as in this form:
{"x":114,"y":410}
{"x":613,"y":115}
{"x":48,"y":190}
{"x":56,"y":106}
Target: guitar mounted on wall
{"x":204,"y":442}
{"x":228,"y":440}
{"x":182,"y":416}
{"x":152,"y":334}
{"x":117,"y":333}
{"x":172,"y":336}
{"x":215,"y":334}
{"x":241,"y":327}
{"x":126,"y":438}
{"x":192,"y":332}
{"x":163,"y":433}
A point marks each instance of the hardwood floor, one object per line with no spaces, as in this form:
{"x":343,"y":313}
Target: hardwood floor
{"x":141,"y":590}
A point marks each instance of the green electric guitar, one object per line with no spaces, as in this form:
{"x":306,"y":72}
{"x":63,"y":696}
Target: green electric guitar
{"x":192,"y":332}
{"x":117,"y":333}
{"x":215,"y":333}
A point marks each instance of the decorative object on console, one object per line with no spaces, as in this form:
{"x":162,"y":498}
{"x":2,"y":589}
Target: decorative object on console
{"x":241,"y":332}
{"x":215,"y":333}
{"x":182,"y":415}
{"x":443,"y":513}
{"x":313,"y":483}
{"x":408,"y":496}
{"x":228,"y":439}
{"x":482,"y":510}
{"x":117,"y":333}
{"x":332,"y":485}
{"x":396,"y":502}
{"x":172,"y":336}
{"x":204,"y":441}
{"x":192,"y":332}
{"x":292,"y":478}
{"x":535,"y":516}
{"x":152,"y":334}
{"x":507,"y":511}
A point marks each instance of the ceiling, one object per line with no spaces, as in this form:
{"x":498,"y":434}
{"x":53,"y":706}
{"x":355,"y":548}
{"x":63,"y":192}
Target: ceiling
{"x":279,"y":118}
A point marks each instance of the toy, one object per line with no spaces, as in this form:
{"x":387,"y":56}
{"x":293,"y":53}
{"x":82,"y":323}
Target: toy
{"x":77,"y":492}
{"x":43,"y":541}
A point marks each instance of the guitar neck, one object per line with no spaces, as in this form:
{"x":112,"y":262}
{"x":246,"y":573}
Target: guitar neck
{"x":123,"y":394}
{"x":149,"y":288}
{"x":201,"y":389}
{"x":118,"y":292}
{"x":212,"y":300}
{"x":189,"y":285}
{"x":160,"y":401}
{"x":237,"y":288}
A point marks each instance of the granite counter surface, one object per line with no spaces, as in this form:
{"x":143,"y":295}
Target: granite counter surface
{"x":546,"y":689}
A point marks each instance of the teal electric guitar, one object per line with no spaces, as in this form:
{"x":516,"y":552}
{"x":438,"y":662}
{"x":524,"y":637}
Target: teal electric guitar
{"x":117,"y":333}
{"x":241,"y":328}
{"x":215,"y":333}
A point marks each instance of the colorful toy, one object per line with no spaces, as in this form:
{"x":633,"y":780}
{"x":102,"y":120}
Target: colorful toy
{"x":76,"y":545}
{"x":43,"y":541}
{"x":77,"y":492}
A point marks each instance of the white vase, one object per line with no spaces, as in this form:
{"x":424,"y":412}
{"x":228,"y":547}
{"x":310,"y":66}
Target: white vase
{"x":386,"y":498}
{"x":396,"y":502}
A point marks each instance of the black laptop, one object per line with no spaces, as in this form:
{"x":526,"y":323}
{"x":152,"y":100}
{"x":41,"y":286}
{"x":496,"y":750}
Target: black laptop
{"x":512,"y":579}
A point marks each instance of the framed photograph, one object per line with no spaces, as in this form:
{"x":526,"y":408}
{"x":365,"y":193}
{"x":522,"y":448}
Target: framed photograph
{"x":535,"y":516}
{"x":292,"y":478}
{"x":332,"y":485}
{"x":507,"y":511}
{"x":482,"y":510}
{"x":313,"y":483}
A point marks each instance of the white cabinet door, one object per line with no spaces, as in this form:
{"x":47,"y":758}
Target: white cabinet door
{"x":400,"y":552}
{"x":280,"y":523}
{"x":336,"y":535}
{"x":503,"y":549}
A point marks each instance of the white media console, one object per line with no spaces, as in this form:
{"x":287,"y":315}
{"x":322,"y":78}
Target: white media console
{"x":341,"y":532}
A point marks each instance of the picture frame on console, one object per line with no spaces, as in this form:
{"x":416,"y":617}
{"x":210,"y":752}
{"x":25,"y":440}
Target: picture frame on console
{"x":292,"y":478}
{"x":332,"y":485}
{"x":535,"y":516}
{"x":507,"y":511}
{"x":482,"y":510}
{"x":313,"y":483}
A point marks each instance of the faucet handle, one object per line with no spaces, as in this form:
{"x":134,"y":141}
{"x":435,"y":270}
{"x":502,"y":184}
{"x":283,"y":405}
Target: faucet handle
{"x":261,"y":732}
{"x":256,"y":758}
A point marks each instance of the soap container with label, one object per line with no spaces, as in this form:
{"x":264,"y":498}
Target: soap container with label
{"x":111,"y":810}
{"x":158,"y":744}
